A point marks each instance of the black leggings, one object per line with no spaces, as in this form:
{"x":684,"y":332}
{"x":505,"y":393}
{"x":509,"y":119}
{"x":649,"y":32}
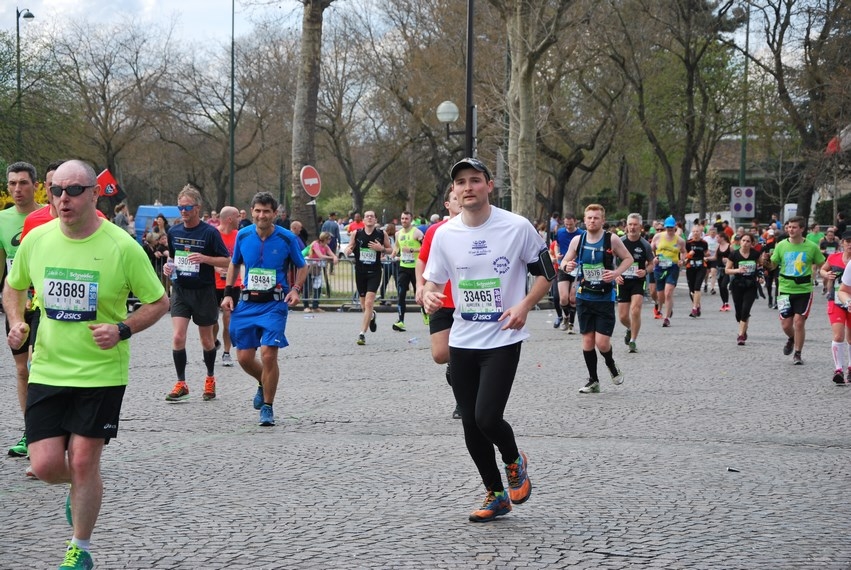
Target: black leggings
{"x":481,"y":382}
{"x":405,"y":278}
{"x":743,"y":298}
{"x":695,"y":277}
{"x":724,"y":287}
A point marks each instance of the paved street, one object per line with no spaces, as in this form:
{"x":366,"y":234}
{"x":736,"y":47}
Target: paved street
{"x":366,"y":468}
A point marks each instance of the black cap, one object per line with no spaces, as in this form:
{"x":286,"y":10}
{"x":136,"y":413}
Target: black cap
{"x":473,"y":163}
{"x":846,"y":235}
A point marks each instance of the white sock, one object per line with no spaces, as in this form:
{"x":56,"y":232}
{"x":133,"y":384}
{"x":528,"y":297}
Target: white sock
{"x":838,"y":354}
{"x":82,"y":544}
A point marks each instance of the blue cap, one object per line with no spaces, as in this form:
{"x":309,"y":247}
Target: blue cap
{"x":670,"y":222}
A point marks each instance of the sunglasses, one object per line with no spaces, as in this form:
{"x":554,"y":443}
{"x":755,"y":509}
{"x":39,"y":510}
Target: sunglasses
{"x":188,"y":208}
{"x":75,"y":190}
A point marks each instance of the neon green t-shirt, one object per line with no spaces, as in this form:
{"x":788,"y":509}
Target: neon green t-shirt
{"x":407,"y":240}
{"x":11,"y":226}
{"x":795,"y":260}
{"x":80,"y":283}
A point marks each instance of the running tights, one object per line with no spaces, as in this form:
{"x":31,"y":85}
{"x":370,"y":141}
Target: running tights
{"x":743,"y":298}
{"x":481,"y":382}
{"x":724,"y":288}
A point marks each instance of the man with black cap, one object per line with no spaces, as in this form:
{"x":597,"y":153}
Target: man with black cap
{"x":485,"y":253}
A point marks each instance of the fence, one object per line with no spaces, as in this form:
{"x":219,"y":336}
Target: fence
{"x":336,"y":283}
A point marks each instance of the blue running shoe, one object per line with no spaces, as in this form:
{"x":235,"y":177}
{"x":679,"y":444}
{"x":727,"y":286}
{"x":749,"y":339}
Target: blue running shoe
{"x":267,"y":416}
{"x":495,"y":504}
{"x":77,"y":559}
{"x":258,"y":398}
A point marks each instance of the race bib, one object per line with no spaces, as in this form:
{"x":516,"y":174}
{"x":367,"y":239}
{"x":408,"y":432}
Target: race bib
{"x":829,"y":250}
{"x":783,"y":303}
{"x":748,"y":266}
{"x":368,"y":255}
{"x":260,"y":279}
{"x":630,"y":271}
{"x":183,"y":265}
{"x":481,"y":299}
{"x":697,"y":263}
{"x":406,"y":257}
{"x":664,"y":262}
{"x":593,"y":272}
{"x":70,"y":294}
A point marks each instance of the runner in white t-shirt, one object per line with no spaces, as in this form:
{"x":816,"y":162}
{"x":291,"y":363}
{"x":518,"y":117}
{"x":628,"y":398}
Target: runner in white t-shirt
{"x":486,"y":253}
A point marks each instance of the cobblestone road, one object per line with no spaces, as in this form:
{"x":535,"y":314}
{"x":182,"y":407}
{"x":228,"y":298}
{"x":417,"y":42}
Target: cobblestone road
{"x":366,"y":469}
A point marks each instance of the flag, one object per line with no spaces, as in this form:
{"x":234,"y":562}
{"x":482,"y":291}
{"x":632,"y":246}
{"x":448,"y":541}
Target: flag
{"x":109,"y":187}
{"x":839,"y":143}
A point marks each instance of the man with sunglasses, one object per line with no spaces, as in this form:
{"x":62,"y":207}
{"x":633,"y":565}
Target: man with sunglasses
{"x":20,"y":183}
{"x":196,"y":249}
{"x":84,"y":268}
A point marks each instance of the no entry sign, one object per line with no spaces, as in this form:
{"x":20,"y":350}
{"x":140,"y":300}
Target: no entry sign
{"x":310,"y":180}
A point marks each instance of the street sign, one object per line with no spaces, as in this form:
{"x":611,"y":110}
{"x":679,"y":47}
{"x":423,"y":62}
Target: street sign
{"x":310,"y":180}
{"x":743,"y":201}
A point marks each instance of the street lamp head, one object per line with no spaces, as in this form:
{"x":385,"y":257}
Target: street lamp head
{"x":447,"y":112}
{"x":26,"y":14}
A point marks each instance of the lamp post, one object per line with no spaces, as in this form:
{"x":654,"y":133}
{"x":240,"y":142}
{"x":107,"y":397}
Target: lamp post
{"x":232,"y":84}
{"x":447,"y":112}
{"x":26,"y":15}
{"x":746,"y":15}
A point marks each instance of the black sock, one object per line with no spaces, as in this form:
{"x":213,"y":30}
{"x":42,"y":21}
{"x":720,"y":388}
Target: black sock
{"x":591,"y":363}
{"x":210,"y":361}
{"x":610,"y":362}
{"x":571,"y":314}
{"x":179,"y":357}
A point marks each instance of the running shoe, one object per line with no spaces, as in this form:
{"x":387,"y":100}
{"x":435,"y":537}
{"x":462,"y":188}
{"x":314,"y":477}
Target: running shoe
{"x":209,"y":389}
{"x":30,"y":473}
{"x":564,"y":324}
{"x":77,"y":559}
{"x":657,"y":314}
{"x":519,"y":485}
{"x":361,"y":339}
{"x":666,"y":322}
{"x":712,"y":292}
{"x":796,"y":359}
{"x":570,"y":329}
{"x":456,"y":413}
{"x":179,"y":393}
{"x":426,"y":316}
{"x":267,"y":416}
{"x":698,"y":310}
{"x":789,"y":346}
{"x":617,"y":376}
{"x":627,"y":337}
{"x":308,"y":310}
{"x":838,"y":377}
{"x":632,"y":348}
{"x":592,"y":387}
{"x":227,"y":361}
{"x":68,"y":516}
{"x":20,"y":449}
{"x":399,"y":326}
{"x":557,"y":323}
{"x":258,"y":397}
{"x":372,"y":324}
{"x":693,"y":313}
{"x":740,"y":340}
{"x":494,"y":505}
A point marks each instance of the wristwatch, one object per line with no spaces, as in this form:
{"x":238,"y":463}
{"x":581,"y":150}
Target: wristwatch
{"x":124,"y":331}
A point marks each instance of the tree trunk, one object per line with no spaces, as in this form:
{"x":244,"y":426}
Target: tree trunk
{"x":304,"y":110}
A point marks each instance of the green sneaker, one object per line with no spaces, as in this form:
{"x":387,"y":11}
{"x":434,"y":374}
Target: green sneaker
{"x":399,"y":326}
{"x":632,"y":347}
{"x":426,"y":316}
{"x":68,"y":508}
{"x":20,"y":448}
{"x":77,"y":558}
{"x":627,"y":337}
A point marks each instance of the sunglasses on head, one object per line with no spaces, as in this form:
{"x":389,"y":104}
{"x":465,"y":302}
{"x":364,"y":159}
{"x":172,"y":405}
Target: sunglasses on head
{"x":74,"y":190}
{"x":188,"y":208}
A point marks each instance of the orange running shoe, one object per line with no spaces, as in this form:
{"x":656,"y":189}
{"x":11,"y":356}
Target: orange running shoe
{"x":495,"y":505}
{"x":519,"y":485}
{"x":209,"y":388}
{"x":179,"y":393}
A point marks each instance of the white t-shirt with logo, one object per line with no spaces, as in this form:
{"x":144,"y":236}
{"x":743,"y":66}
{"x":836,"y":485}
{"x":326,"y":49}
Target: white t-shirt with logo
{"x":486,"y":266}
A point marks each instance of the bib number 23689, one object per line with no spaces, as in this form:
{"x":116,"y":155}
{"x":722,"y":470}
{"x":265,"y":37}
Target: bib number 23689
{"x":70,"y":294}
